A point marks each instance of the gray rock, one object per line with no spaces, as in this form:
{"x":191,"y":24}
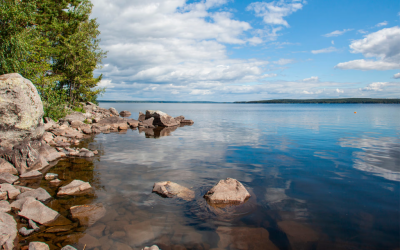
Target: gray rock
{"x":76,"y":187}
{"x":21,"y":109}
{"x":12,"y":192}
{"x":3,"y":195}
{"x":187,"y":122}
{"x":68,"y":247}
{"x":229,"y":191}
{"x":51,"y":176}
{"x":5,"y":206}
{"x":125,"y":113}
{"x":25,"y":156}
{"x":17,"y":205}
{"x":50,"y":153}
{"x":38,"y":212}
{"x":33,"y":225}
{"x":161,"y":118}
{"x":75,"y":116}
{"x":23,"y":189}
{"x":113,"y":111}
{"x":86,"y":154}
{"x":76,"y":124}
{"x":88,"y":214}
{"x":133,"y":123}
{"x":39,"y":194}
{"x":6,"y":167}
{"x":142,"y":117}
{"x":179,"y":118}
{"x":33,"y":174}
{"x":25,"y":232}
{"x":35,"y":245}
{"x":170,"y":189}
{"x":8,"y":231}
{"x":148,"y":123}
{"x":49,"y":124}
{"x":8,"y":178}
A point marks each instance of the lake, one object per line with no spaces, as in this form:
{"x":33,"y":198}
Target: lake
{"x":321,"y":176}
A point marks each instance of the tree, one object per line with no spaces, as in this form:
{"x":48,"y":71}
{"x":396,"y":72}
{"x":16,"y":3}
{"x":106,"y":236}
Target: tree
{"x":20,"y":41}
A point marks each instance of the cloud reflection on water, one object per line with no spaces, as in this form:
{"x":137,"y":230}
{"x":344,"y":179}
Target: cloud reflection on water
{"x":380,"y":156}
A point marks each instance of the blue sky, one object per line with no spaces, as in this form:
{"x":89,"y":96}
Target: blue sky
{"x":221,"y":50}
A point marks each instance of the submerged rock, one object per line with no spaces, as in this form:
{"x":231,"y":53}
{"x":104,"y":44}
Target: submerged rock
{"x":35,"y":245}
{"x":51,"y":176}
{"x":68,"y":247}
{"x":8,"y":231}
{"x":21,"y":109}
{"x":25,"y":232}
{"x":170,"y":189}
{"x":88,"y":214}
{"x":229,"y":191}
{"x":76,"y":187}
{"x":161,"y":118}
{"x":300,"y":236}
{"x":153,"y":247}
{"x":244,"y":238}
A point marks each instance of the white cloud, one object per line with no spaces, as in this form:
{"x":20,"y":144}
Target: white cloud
{"x":382,"y":24}
{"x":311,"y":79}
{"x":337,"y":33}
{"x":326,"y":50}
{"x":274,"y":12}
{"x":283,"y":61}
{"x":384,"y":45}
{"x":396,"y":76}
{"x":269,"y":75}
{"x":159,"y":42}
{"x":339,"y":91}
{"x":333,"y":42}
{"x":375,"y":86}
{"x":362,"y":31}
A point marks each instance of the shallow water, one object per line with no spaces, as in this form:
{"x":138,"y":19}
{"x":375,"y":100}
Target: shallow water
{"x":320,"y":176}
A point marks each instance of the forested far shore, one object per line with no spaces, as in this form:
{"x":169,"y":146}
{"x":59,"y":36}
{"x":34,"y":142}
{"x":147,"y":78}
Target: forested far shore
{"x":328,"y":101}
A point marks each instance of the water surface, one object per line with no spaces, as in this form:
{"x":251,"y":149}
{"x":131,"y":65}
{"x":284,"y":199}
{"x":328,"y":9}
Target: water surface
{"x":320,"y":175}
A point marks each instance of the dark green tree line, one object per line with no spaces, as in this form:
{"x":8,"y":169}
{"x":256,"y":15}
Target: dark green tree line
{"x":55,"y":44}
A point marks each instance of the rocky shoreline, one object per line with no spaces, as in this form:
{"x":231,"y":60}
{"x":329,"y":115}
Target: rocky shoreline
{"x":31,"y":145}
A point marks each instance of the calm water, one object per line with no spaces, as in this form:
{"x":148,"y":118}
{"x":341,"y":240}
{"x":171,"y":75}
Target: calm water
{"x":321,"y":177}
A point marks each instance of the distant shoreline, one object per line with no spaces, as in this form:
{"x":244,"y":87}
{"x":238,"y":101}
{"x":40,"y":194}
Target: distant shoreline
{"x":282,"y":101}
{"x":331,"y":101}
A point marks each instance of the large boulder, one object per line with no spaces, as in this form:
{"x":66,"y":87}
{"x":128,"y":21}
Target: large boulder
{"x":161,"y":118}
{"x":8,"y":231}
{"x":21,"y":111}
{"x":170,"y":189}
{"x":229,"y":191}
{"x":113,"y":111}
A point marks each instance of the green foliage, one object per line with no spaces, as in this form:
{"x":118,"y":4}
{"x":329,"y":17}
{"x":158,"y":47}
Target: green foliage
{"x":54,"y":44}
{"x":54,"y":101}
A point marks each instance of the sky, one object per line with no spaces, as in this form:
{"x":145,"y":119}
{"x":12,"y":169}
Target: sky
{"x":231,"y":50}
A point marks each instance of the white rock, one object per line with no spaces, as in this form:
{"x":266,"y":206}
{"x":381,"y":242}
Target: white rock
{"x":12,"y":192}
{"x":51,"y":176}
{"x":6,"y":167}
